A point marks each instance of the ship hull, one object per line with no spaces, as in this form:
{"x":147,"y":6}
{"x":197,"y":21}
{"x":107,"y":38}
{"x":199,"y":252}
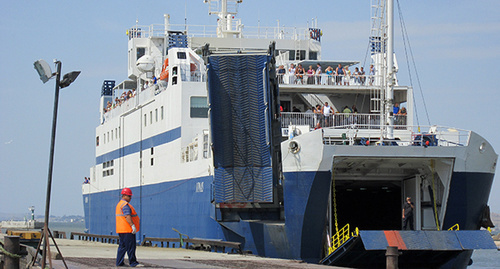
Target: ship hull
{"x":177,"y":205}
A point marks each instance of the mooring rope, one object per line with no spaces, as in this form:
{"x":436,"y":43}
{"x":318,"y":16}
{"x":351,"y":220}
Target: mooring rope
{"x":12,"y":255}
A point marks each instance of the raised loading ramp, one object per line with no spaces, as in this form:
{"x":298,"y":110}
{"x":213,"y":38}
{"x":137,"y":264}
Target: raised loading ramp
{"x":243,"y":103}
{"x":419,"y":249}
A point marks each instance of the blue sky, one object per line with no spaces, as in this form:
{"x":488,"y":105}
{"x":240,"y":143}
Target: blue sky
{"x":456,"y":45}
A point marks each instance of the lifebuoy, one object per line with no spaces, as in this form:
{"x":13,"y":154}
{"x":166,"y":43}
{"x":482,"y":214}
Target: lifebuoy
{"x":164,"y":71}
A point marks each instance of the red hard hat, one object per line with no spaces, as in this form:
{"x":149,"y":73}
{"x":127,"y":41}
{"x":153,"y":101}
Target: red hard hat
{"x":127,"y":191}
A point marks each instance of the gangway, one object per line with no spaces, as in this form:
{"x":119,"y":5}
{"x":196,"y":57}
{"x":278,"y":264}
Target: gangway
{"x":418,"y":249}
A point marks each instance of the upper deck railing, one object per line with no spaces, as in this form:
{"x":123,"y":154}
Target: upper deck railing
{"x":338,"y":120}
{"x":350,"y":128}
{"x":332,"y":80}
{"x":259,"y":32}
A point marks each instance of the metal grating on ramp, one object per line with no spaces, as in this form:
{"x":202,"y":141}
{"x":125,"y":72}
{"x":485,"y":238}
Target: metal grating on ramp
{"x":238,"y":90}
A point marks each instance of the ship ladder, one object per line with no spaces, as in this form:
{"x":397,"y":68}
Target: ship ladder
{"x":342,"y":236}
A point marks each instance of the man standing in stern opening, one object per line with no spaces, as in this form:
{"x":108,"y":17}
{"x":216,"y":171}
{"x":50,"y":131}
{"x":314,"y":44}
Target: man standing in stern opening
{"x":127,"y":224}
{"x":408,"y":208}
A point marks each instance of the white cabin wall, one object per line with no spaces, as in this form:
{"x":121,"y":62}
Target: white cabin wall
{"x":131,"y":133}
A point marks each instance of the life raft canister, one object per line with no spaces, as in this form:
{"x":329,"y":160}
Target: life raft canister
{"x":164,"y":71}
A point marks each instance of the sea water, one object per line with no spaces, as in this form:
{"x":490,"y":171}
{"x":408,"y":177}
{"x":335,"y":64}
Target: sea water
{"x":67,"y":227}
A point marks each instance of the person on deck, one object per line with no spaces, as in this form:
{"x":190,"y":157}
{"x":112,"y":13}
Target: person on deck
{"x":318,"y":73}
{"x":328,"y":114}
{"x":127,"y":224}
{"x":408,"y":208}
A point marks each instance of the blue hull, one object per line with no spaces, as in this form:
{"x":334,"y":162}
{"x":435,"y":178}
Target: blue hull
{"x":164,"y":206}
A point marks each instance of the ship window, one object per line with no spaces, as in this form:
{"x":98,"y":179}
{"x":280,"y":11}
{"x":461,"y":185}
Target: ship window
{"x":111,"y":172}
{"x":313,"y":55}
{"x":156,"y":115}
{"x":161,"y":112}
{"x":152,"y":161}
{"x":140,"y":52}
{"x":145,"y":120}
{"x":116,"y":133}
{"x":181,"y":55}
{"x":291,"y":55}
{"x":108,"y":136}
{"x":103,"y":173}
{"x":199,"y":107}
{"x":104,"y":138}
{"x":174,"y":70}
{"x":150,"y":117}
{"x":152,"y":151}
{"x":302,"y":55}
{"x":97,"y":141}
{"x":104,"y":165}
{"x":119,"y":130}
{"x":112,"y":161}
{"x":112,"y":135}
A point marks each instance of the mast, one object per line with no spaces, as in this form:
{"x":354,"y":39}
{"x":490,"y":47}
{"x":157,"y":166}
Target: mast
{"x":226,"y":10}
{"x":389,"y":98}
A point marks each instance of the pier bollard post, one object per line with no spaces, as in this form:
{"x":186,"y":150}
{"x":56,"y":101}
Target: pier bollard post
{"x":392,"y":255}
{"x":11,"y":246}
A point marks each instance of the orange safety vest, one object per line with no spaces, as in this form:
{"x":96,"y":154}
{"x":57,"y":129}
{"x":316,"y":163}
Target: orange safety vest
{"x":122,"y":225}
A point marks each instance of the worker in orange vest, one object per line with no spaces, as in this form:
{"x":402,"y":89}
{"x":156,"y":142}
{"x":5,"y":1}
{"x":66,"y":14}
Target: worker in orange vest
{"x":127,"y":224}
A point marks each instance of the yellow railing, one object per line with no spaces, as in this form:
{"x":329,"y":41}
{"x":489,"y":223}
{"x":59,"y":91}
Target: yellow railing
{"x":454,"y":228}
{"x":342,"y":235}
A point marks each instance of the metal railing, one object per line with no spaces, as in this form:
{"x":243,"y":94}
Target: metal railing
{"x":328,"y":80}
{"x":110,"y":239}
{"x":341,"y":236}
{"x":191,"y":243}
{"x":338,"y":120}
{"x":260,"y":32}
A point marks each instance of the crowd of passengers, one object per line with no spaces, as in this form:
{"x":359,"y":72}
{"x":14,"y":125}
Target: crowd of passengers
{"x":324,"y":115}
{"x":119,"y":101}
{"x":128,"y":94}
{"x":341,"y":75}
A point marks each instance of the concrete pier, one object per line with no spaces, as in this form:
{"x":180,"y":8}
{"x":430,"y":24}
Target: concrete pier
{"x":85,"y":254}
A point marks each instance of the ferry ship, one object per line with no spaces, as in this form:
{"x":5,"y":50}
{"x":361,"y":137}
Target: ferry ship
{"x":217,"y":142}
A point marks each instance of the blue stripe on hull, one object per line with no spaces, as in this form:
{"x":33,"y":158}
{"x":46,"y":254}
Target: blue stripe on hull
{"x":154,"y":141}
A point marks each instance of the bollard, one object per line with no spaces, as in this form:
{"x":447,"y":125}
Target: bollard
{"x":11,"y":244}
{"x":392,"y":254}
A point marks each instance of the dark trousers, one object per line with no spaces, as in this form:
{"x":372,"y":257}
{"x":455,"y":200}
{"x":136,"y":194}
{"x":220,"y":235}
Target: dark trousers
{"x":127,"y":245}
{"x":408,"y":220}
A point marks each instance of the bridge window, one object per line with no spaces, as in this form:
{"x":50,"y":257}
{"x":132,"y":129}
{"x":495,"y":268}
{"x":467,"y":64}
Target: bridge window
{"x":199,"y":107}
{"x":181,"y":55}
{"x":140,"y":52}
{"x":313,"y":55}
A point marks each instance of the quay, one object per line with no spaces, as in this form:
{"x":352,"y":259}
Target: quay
{"x":90,"y":254}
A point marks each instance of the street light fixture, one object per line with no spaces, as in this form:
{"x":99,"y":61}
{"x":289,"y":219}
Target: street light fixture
{"x":45,"y":74}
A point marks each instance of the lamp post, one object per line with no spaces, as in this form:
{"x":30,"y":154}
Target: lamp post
{"x":45,"y":73}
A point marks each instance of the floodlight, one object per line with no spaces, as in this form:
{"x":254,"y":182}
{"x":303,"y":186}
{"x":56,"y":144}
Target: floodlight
{"x":69,"y":78}
{"x":43,"y":69}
